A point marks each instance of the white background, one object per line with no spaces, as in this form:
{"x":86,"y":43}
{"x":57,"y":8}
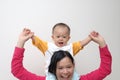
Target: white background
{"x":82,"y":16}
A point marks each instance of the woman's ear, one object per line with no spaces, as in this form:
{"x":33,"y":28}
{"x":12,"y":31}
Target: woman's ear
{"x":74,"y":64}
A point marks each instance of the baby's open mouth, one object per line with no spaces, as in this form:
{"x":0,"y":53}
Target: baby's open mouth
{"x":60,"y":42}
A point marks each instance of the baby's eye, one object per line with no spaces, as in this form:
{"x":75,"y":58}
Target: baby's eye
{"x":64,"y":36}
{"x":58,"y":36}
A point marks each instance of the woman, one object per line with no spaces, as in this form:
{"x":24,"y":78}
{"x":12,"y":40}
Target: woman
{"x":61,"y":67}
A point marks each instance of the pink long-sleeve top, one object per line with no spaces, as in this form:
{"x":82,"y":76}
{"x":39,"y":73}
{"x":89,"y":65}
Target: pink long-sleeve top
{"x":21,"y":73}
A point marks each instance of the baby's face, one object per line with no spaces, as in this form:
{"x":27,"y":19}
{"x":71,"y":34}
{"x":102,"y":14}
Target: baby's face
{"x":60,"y":36}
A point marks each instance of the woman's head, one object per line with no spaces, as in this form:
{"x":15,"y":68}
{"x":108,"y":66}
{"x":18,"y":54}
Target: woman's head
{"x":62,"y":65}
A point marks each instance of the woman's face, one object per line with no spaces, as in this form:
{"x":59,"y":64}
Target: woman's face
{"x":65,"y":69}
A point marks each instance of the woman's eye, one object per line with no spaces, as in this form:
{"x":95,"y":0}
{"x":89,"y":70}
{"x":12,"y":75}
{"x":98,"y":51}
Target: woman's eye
{"x":60,"y":68}
{"x":69,"y":66}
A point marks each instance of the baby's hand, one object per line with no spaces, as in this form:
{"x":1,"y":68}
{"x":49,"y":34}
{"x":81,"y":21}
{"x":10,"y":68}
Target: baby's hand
{"x":27,"y":31}
{"x":94,"y":33}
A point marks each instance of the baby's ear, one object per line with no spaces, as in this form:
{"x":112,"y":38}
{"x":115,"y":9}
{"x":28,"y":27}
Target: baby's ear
{"x":52,"y":36}
{"x":69,"y":37}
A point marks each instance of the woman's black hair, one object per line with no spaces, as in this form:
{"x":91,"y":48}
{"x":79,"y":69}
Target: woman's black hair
{"x":57,"y":56}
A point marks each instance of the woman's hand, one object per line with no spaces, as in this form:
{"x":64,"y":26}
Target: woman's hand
{"x":96,"y":37}
{"x":25,"y":35}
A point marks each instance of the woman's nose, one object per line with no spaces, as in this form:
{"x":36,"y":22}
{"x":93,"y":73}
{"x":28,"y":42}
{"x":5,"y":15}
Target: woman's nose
{"x":65,"y":71}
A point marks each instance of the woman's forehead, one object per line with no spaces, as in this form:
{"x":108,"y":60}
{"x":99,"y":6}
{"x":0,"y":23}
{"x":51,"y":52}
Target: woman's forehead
{"x":64,"y":62}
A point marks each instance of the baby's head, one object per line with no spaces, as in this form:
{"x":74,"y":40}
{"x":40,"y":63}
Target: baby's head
{"x":61,"y":25}
{"x":60,"y":34}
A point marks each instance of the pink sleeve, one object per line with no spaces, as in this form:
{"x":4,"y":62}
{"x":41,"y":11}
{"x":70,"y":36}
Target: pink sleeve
{"x":104,"y":69}
{"x":17,"y":68}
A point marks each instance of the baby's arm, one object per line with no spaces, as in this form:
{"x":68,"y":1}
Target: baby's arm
{"x":36,"y":41}
{"x":39,"y":43}
{"x":85,"y":41}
